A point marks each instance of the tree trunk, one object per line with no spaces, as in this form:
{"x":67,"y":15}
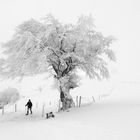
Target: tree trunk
{"x":66,"y":98}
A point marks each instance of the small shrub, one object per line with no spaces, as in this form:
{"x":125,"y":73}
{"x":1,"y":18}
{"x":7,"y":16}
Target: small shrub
{"x":9,"y":95}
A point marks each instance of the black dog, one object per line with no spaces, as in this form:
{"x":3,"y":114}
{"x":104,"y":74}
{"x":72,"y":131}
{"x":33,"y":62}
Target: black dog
{"x":50,"y":114}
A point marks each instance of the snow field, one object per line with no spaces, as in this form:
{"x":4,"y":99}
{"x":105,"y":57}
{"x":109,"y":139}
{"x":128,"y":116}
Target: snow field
{"x":115,"y":117}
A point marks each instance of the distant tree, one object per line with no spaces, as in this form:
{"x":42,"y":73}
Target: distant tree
{"x":49,"y":46}
{"x":9,"y":95}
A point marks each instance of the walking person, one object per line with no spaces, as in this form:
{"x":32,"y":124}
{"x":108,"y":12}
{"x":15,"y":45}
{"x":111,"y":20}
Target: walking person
{"x":29,"y":107}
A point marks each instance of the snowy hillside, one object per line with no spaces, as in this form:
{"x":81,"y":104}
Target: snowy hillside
{"x":115,"y":117}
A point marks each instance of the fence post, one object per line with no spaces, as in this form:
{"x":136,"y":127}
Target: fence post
{"x":76,"y":100}
{"x":43,"y":110}
{"x":49,"y":103}
{"x":93,"y":99}
{"x":15,"y":107}
{"x":80,"y":101}
{"x":99,"y":97}
{"x":36,"y":105}
{"x":25,"y":110}
{"x":3,"y":110}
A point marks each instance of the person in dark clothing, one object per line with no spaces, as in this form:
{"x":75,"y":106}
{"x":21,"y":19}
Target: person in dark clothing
{"x":29,"y":107}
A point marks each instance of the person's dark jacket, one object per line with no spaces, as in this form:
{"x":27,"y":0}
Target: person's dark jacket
{"x":29,"y":104}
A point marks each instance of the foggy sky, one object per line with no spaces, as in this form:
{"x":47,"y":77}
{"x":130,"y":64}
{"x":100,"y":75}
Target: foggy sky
{"x":119,"y":18}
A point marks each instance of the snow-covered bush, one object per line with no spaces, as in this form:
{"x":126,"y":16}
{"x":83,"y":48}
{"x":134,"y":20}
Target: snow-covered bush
{"x":9,"y":95}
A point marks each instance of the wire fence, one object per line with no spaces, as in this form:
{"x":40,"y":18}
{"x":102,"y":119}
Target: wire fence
{"x":43,"y":107}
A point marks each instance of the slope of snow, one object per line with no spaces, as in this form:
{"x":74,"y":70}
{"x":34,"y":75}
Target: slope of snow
{"x":112,"y":118}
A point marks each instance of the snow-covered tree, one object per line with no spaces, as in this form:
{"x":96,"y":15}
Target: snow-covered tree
{"x":9,"y":95}
{"x":60,"y":49}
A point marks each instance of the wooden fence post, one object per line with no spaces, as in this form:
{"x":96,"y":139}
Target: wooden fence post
{"x":15,"y":107}
{"x":99,"y":97}
{"x":76,"y":100}
{"x":25,"y":110}
{"x":3,"y":110}
{"x":43,"y":107}
{"x":93,"y":99}
{"x":80,"y":101}
{"x":36,"y":105}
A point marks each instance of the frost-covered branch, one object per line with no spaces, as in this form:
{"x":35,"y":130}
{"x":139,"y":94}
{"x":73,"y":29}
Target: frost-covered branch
{"x":36,"y":46}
